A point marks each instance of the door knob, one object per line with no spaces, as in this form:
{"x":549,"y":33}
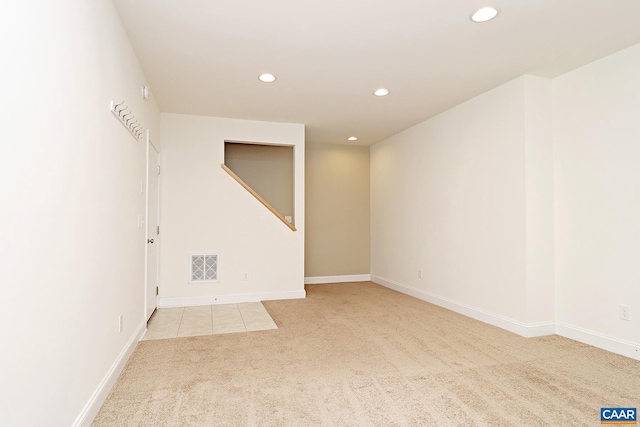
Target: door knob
{"x":149,"y":240}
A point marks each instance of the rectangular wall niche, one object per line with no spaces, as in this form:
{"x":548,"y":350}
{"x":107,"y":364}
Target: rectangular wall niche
{"x":267,"y":169}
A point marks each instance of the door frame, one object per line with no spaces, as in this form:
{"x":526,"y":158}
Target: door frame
{"x":150,"y":146}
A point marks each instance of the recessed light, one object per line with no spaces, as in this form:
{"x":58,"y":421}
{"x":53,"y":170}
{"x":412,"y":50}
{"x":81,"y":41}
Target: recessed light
{"x":352,"y":138}
{"x":381,"y":92}
{"x":267,"y":78}
{"x":484,"y":14}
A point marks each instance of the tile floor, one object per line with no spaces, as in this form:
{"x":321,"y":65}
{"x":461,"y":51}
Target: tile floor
{"x":207,"y":320}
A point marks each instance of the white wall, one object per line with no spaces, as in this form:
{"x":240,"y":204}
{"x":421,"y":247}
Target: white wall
{"x":71,"y":253}
{"x":597,"y":196}
{"x":522,"y":205}
{"x":205,"y":210}
{"x":453,"y":197}
{"x":447,"y":197}
{"x":540,"y":293}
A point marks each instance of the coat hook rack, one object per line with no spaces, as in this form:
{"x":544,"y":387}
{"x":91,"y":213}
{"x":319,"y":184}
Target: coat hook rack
{"x":126,"y":117}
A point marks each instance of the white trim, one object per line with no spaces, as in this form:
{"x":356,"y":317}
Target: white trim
{"x":167,"y":302}
{"x":596,"y":339}
{"x":93,"y":405}
{"x":523,"y":329}
{"x":337,"y":279}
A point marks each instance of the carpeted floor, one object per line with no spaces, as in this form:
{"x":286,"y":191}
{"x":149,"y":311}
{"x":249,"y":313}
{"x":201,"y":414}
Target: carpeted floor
{"x":358,"y":354}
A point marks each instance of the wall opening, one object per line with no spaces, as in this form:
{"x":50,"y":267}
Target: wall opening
{"x":268,"y":170}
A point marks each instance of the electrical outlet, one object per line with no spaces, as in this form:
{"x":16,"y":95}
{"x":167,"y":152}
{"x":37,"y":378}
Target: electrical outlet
{"x":625,"y":312}
{"x":120,"y":323}
{"x":245,"y":276}
{"x":419,"y":274}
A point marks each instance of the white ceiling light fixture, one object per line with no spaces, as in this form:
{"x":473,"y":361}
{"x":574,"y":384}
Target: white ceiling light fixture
{"x":381,"y":92}
{"x":267,"y":78}
{"x":484,"y":14}
{"x":352,"y":138}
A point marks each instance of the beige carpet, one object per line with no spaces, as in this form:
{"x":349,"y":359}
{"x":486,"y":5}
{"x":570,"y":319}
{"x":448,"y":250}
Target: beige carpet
{"x":363,"y":355}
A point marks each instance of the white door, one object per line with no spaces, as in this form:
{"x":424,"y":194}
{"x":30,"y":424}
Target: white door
{"x":153,"y":172}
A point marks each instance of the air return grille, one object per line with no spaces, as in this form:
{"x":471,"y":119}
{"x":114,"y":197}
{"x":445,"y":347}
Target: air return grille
{"x":204,"y":268}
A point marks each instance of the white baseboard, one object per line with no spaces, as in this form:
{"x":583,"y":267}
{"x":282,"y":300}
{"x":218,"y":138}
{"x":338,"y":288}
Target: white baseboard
{"x":523,"y":329}
{"x":167,"y":302}
{"x":540,"y":329}
{"x":91,"y":408}
{"x":337,"y":279}
{"x":605,"y":342}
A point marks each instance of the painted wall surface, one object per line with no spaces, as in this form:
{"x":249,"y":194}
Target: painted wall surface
{"x":267,"y":169}
{"x":204,"y":210}
{"x":597,"y":195}
{"x":448,"y":198}
{"x":337,"y":238}
{"x":540,"y":287}
{"x":72,"y":257}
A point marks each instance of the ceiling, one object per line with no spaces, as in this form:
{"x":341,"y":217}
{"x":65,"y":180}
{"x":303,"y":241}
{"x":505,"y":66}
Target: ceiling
{"x":203,"y":57}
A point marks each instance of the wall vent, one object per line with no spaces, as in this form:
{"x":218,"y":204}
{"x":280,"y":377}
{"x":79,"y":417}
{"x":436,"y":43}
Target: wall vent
{"x":204,"y":268}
